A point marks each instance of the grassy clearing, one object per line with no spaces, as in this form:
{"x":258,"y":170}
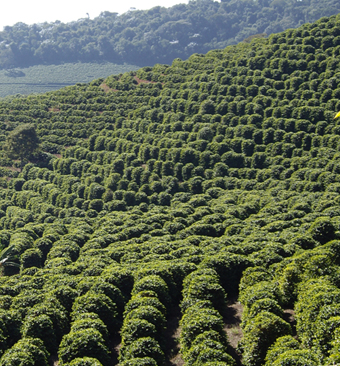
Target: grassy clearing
{"x":43,"y":78}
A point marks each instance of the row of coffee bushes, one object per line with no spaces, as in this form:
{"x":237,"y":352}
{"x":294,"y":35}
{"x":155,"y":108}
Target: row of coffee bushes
{"x":145,"y":323}
{"x":155,"y":296}
{"x":262,"y":320}
{"x":203,"y":339}
{"x":57,"y":297}
{"x":88,"y":338}
{"x":202,"y":216}
{"x":310,"y":281}
{"x":308,"y":284}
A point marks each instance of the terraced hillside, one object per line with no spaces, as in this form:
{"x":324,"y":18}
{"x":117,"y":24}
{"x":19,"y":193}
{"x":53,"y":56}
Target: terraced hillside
{"x":164,"y":195}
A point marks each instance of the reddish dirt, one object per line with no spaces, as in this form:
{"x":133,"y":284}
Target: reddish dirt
{"x":140,"y":81}
{"x":177,"y":360}
{"x":106,"y":88}
{"x":13,"y":169}
{"x":289,"y":316}
{"x":232,"y":320}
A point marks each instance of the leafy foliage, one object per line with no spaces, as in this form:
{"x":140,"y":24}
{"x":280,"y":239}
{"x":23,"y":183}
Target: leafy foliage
{"x":168,"y":192}
{"x":155,"y":35}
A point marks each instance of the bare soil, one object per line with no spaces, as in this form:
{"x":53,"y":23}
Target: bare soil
{"x":114,"y":346}
{"x":140,"y":81}
{"x":173,"y":331}
{"x":289,"y":317}
{"x":106,"y":88}
{"x":232,"y":318}
{"x":54,"y":361}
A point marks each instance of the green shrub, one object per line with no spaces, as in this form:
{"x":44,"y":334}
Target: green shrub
{"x":322,"y":230}
{"x":120,"y":277}
{"x":26,"y":300}
{"x":281,"y":345}
{"x":260,"y":290}
{"x":259,"y":335}
{"x":134,"y":329}
{"x":150,"y":314}
{"x":195,"y":321}
{"x":266,"y":304}
{"x":253,"y":275}
{"x":296,"y":358}
{"x":5,"y":302}
{"x":83,"y":343}
{"x":204,"y":287}
{"x":144,"y":298}
{"x":111,"y":291}
{"x":145,"y":361}
{"x":143,"y":347}
{"x":65,"y":295}
{"x":87,"y":321}
{"x":3,"y":341}
{"x":313,"y":296}
{"x":153,"y":283}
{"x":211,"y":346}
{"x":67,"y":249}
{"x":99,"y":304}
{"x":57,"y":314}
{"x":28,"y":352}
{"x":210,"y":352}
{"x":44,"y":245}
{"x":41,"y":327}
{"x":31,"y":258}
{"x":10,"y":323}
{"x":85,"y":361}
{"x":229,"y":268}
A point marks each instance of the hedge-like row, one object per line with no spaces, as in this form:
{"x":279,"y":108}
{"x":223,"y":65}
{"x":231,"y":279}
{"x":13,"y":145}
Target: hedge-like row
{"x":203,"y":338}
{"x":88,"y":338}
{"x":262,"y":320}
{"x":144,"y":323}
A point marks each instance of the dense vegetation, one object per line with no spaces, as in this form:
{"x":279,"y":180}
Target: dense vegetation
{"x":168,"y":191}
{"x":157,"y":35}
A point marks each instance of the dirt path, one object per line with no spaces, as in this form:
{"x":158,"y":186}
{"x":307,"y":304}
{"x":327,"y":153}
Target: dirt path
{"x":172,"y":340}
{"x":232,"y":320}
{"x":289,"y":316}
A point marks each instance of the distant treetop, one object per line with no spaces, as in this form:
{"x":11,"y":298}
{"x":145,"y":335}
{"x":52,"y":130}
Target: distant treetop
{"x":157,"y":35}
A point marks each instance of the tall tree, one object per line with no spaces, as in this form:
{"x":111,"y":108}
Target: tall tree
{"x":22,"y":142}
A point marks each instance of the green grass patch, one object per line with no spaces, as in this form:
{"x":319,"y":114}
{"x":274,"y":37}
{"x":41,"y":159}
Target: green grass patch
{"x":43,"y":78}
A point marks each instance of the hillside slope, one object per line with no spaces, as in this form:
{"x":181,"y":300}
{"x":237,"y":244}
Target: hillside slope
{"x":165,"y":192}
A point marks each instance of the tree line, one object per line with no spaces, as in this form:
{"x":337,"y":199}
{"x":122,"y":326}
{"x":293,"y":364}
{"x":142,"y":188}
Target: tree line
{"x":158,"y":35}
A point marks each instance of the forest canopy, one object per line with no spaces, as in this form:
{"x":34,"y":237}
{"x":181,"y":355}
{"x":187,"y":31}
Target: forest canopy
{"x":157,"y":35}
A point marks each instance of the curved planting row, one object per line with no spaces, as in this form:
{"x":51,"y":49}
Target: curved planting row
{"x":203,"y":339}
